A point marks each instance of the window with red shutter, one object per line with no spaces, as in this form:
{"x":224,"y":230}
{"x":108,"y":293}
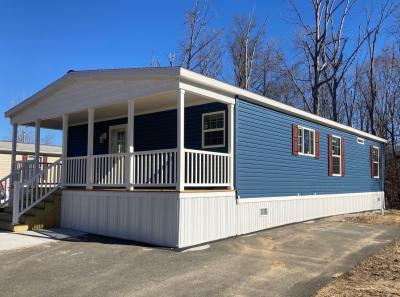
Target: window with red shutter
{"x":304,"y":141}
{"x":336,"y":155}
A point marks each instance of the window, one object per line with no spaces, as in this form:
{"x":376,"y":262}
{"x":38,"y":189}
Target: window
{"x":375,"y":162}
{"x":213,"y":132}
{"x":306,"y":141}
{"x":336,"y":156}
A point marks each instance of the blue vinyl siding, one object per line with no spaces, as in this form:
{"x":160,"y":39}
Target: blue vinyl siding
{"x":153,"y":131}
{"x":265,"y":166}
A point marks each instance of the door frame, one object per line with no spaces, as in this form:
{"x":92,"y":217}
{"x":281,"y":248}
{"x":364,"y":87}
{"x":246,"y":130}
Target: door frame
{"x":117,"y":127}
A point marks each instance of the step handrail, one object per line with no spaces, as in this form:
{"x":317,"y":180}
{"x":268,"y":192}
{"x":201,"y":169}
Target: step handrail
{"x":28,"y":194}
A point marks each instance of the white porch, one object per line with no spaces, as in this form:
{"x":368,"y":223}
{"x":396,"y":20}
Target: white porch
{"x":83,"y":101}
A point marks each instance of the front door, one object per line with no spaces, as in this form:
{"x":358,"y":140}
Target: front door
{"x":118,"y":139}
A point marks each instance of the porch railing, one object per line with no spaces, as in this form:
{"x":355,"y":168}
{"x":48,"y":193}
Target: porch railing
{"x":74,"y":171}
{"x":29,"y":193}
{"x":157,"y":168}
{"x":25,"y":170}
{"x":109,"y":170}
{"x":205,"y":169}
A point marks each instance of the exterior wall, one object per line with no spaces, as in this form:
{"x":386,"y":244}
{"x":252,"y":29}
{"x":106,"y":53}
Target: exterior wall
{"x":152,"y":131}
{"x":150,"y":217}
{"x":5,"y":165}
{"x":265,"y":166}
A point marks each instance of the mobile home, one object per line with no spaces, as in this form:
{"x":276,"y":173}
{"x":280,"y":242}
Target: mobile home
{"x":173,"y":158}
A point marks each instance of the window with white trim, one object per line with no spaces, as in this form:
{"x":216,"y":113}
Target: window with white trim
{"x":306,"y":141}
{"x":375,"y":162}
{"x":336,"y":155}
{"x":213,"y":129}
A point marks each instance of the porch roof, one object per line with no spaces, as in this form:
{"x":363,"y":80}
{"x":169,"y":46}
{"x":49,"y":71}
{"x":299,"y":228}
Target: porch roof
{"x":79,"y":90}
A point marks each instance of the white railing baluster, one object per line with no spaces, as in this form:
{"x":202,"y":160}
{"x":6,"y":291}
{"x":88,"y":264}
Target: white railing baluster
{"x":151,"y":169}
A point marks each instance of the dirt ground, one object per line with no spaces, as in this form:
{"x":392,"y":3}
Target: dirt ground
{"x":377,"y":275}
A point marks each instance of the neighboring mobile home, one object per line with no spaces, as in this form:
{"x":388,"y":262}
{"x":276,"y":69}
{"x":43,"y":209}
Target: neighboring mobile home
{"x":25,"y":152}
{"x":173,"y":158}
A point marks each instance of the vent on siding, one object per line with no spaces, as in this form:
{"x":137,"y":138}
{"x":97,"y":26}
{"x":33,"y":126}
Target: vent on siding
{"x":263,"y":211}
{"x":360,"y":140}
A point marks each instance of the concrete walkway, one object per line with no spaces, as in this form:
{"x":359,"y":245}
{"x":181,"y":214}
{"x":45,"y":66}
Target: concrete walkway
{"x":295,"y":260}
{"x":14,"y":241}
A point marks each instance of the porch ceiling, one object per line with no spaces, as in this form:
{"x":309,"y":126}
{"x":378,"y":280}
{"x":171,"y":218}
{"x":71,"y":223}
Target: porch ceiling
{"x":145,"y":105}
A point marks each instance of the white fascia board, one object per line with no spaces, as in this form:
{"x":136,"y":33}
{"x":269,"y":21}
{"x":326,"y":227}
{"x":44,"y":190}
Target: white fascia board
{"x":128,"y":73}
{"x":273,"y":104}
{"x":206,"y":93}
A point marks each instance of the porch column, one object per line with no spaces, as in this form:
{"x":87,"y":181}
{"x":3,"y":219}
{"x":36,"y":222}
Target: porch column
{"x":89,"y":166}
{"x":37,"y":145}
{"x":180,"y":140}
{"x":13,"y":160}
{"x":231,"y":144}
{"x":65,"y":125}
{"x":131,"y":146}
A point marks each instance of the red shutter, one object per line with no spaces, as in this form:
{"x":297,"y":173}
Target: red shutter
{"x":330,"y":165}
{"x":317,"y":153}
{"x":371,"y":157}
{"x":24,"y":157}
{"x":342,"y":155}
{"x":295,"y":140}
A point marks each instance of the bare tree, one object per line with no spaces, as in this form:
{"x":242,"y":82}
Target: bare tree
{"x":200,"y":49}
{"x":25,"y":134}
{"x":313,"y":41}
{"x":245,"y":41}
{"x":267,"y":67}
{"x":371,"y":92}
{"x":340,"y":57}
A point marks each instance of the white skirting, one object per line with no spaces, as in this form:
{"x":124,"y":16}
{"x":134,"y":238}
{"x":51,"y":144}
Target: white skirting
{"x":185,"y":219}
{"x":142,"y":216}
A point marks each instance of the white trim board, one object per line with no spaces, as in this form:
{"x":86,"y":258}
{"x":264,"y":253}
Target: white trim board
{"x":304,"y":197}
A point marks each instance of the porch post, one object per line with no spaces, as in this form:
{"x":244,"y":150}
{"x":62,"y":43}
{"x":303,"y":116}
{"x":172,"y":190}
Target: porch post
{"x":37,"y":146}
{"x":231,"y":143}
{"x":89,"y":166}
{"x":13,"y":160}
{"x":65,"y":125}
{"x":130,"y":165}
{"x":180,"y":186}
